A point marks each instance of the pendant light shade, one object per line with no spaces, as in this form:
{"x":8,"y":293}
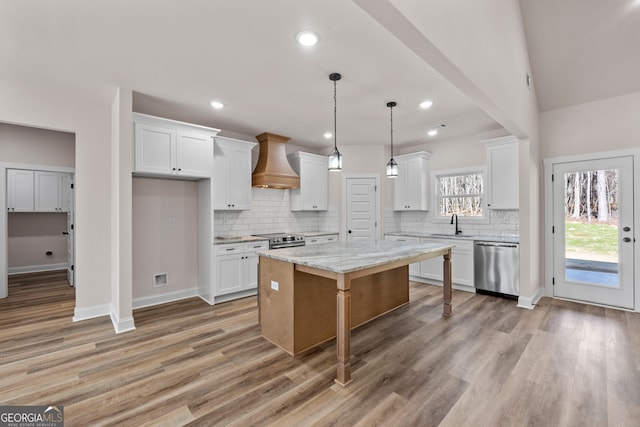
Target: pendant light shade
{"x":392,"y":165}
{"x":335,"y":158}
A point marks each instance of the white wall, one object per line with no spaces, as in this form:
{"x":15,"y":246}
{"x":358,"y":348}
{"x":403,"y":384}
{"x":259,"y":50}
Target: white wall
{"x":159,"y":247}
{"x":49,"y":105}
{"x":31,"y":236}
{"x":22,"y":144}
{"x":606,"y":125}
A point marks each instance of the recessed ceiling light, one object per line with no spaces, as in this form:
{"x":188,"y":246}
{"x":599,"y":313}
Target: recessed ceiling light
{"x":328,"y":135}
{"x":426,"y":104}
{"x":307,"y":38}
{"x":217,"y":105}
{"x":432,"y":132}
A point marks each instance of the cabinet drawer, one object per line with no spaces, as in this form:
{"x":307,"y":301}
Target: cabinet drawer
{"x":256,"y":246}
{"x":228,"y":249}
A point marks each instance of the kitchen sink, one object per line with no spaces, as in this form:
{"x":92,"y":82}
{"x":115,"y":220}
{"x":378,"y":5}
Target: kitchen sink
{"x":451,"y":235}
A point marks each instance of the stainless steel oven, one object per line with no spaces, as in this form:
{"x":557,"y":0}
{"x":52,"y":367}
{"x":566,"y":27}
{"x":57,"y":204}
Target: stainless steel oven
{"x":283,"y":240}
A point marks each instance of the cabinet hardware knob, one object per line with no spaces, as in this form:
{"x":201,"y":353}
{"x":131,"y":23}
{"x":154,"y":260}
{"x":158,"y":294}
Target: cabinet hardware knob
{"x":626,"y":239}
{"x":626,"y":229}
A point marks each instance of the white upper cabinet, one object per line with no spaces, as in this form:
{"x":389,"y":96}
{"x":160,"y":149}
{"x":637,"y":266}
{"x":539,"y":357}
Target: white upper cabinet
{"x":502,"y":173}
{"x":37,"y":191}
{"x":232,"y":174}
{"x":20,"y":190}
{"x":411,"y":186}
{"x":167,"y":147}
{"x":314,"y":176}
{"x":47,"y":191}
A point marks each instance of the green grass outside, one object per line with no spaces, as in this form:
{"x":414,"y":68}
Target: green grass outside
{"x":591,"y":241}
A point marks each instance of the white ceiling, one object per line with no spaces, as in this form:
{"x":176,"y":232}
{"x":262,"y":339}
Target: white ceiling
{"x":178,"y":56}
{"x":582,"y":50}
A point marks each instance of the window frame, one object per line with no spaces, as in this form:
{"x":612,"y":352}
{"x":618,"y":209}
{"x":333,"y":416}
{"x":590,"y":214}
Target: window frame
{"x":435,"y":206}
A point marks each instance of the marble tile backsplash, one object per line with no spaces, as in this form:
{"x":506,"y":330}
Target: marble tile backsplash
{"x":501,"y":224}
{"x":270,"y":213}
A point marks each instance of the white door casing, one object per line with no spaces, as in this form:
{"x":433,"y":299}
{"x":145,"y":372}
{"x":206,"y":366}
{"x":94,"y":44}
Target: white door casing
{"x":69,"y":200}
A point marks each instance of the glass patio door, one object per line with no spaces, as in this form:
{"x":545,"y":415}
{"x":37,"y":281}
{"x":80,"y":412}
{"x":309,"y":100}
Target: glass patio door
{"x":593,"y":238}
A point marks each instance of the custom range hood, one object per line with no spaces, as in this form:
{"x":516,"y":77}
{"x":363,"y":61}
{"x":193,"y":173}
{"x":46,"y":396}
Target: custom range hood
{"x":273,"y":169}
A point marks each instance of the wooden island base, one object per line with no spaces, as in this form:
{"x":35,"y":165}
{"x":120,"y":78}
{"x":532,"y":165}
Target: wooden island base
{"x":302,"y":312}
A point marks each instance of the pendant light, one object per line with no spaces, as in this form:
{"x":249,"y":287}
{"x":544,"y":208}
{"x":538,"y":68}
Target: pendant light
{"x":335,"y":158}
{"x":392,"y":166}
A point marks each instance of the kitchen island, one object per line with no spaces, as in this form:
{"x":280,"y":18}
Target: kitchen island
{"x":297,"y":287}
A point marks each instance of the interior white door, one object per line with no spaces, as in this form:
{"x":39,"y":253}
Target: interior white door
{"x":593,"y":236}
{"x":361,"y":209}
{"x":69,"y":197}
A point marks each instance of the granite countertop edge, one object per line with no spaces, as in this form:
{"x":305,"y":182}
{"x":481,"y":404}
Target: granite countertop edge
{"x":238,"y":239}
{"x":477,"y":237}
{"x":349,"y":257}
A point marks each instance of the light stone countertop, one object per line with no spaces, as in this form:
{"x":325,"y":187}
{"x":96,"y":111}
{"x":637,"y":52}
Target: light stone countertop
{"x":317,"y":233}
{"x":478,"y":237}
{"x":347,"y":257}
{"x":236,"y":239}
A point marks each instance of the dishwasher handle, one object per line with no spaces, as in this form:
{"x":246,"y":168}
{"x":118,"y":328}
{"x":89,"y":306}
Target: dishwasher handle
{"x":497,"y":245}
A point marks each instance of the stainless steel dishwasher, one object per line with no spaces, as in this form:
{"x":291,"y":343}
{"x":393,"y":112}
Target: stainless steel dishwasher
{"x":496,"y":267}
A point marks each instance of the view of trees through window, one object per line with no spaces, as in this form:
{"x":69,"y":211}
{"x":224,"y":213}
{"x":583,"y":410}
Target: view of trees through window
{"x":591,"y":211}
{"x":461,"y":194}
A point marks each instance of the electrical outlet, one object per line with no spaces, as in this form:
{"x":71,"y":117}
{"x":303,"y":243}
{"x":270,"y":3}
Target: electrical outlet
{"x":275,"y":285}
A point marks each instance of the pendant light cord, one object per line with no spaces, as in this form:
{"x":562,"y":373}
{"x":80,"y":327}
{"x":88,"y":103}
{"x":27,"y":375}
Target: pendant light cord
{"x":391,"y":108}
{"x":335,"y":117}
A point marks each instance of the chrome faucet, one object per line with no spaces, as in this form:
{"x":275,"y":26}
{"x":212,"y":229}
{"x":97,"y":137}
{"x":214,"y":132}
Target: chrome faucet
{"x":458,"y":231}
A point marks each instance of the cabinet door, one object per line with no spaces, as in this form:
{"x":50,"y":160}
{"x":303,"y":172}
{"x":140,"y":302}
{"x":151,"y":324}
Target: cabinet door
{"x":400,"y":187}
{"x":194,"y":154}
{"x":414,"y":269}
{"x":313,"y":184}
{"x":232,"y":177}
{"x":432,"y":268}
{"x":411,"y":185}
{"x":47,"y":191}
{"x":251,"y":271}
{"x":240,"y":178}
{"x":502,"y":171}
{"x":155,"y":149}
{"x":462,"y":266}
{"x":20,"y":190}
{"x":221,"y":171}
{"x":229,"y":274}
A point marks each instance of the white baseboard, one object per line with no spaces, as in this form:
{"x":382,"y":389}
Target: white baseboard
{"x":86,"y":313}
{"x":165,"y":298}
{"x":456,"y":286}
{"x":37,"y":268}
{"x":530,"y":302}
{"x":237,"y":295}
{"x":122,"y":325}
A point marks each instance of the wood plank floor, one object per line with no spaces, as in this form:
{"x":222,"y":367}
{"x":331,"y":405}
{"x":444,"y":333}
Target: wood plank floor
{"x":188,"y":363}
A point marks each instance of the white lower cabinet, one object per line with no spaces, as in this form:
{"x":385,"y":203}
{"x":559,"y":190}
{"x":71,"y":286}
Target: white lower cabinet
{"x":320,"y":240}
{"x":461,"y":262}
{"x":237,"y":267}
{"x":414,"y":269}
{"x":431,"y":269}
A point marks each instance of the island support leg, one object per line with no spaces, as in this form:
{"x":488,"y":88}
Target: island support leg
{"x":343,"y":374}
{"x":446,"y":284}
